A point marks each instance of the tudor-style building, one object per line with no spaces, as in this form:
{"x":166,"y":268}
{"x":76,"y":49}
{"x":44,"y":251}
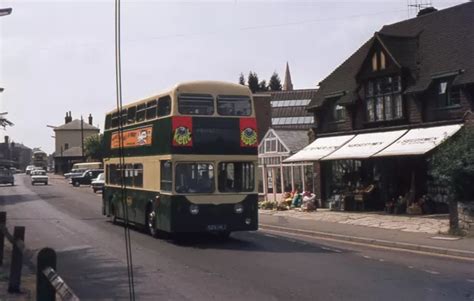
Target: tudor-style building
{"x":381,"y":113}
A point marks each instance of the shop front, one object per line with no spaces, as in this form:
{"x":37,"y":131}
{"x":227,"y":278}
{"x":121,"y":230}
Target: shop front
{"x":376,"y":171}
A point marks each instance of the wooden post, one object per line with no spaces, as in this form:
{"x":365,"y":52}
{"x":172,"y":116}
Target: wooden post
{"x":44,"y":290}
{"x":292,"y":177}
{"x":3,"y":225}
{"x":302,"y":178}
{"x":282,"y":177}
{"x":265,"y":183}
{"x":17,"y":260}
{"x":274,"y":184}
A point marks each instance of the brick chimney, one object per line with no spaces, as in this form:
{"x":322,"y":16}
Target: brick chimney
{"x":90,"y":119}
{"x":66,"y":118}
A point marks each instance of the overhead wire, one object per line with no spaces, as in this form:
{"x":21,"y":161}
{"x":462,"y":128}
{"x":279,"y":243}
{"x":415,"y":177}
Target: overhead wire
{"x":123,"y":190}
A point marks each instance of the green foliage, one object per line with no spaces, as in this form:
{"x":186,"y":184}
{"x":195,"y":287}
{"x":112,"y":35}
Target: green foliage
{"x":252,"y":81}
{"x":452,"y":164}
{"x":262,"y":86}
{"x":242,"y":79}
{"x":94,"y":147}
{"x":275,"y":82}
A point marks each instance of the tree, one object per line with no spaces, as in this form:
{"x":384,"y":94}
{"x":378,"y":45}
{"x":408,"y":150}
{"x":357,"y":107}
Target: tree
{"x":242,"y":79}
{"x":275,"y":82}
{"x":94,"y":147}
{"x":452,"y":165}
{"x":262,"y":86}
{"x":252,"y":81}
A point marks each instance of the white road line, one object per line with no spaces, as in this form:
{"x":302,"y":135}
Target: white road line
{"x":381,"y":260}
{"x":270,"y":235}
{"x":431,"y":272}
{"x":470,"y":280}
{"x":366,"y":257}
{"x":411,"y":267}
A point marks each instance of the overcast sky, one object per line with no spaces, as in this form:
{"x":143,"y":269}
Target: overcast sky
{"x":58,"y":56}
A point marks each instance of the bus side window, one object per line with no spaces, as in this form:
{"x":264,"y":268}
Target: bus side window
{"x":151,"y":109}
{"x":124,"y":116}
{"x":164,"y":106}
{"x":114,"y":122}
{"x":108,"y":121}
{"x":131,"y":115}
{"x":166,"y":175}
{"x":141,"y":111}
{"x":138,"y":175}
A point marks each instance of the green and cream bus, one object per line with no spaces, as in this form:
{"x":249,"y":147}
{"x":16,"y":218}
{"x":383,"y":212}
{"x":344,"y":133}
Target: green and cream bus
{"x":189,"y":160}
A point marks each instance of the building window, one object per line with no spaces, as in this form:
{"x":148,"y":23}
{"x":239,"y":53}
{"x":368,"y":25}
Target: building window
{"x":384,"y":99}
{"x":448,"y":96}
{"x":270,"y":145}
{"x":374,"y":62}
{"x":382,"y":60}
{"x":66,"y":146}
{"x":338,"y":113}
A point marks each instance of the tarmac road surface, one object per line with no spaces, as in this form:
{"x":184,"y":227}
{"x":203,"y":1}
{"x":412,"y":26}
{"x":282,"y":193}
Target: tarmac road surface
{"x":250,"y":266}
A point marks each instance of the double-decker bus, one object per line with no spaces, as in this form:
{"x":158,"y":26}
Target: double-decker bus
{"x":40,"y":159}
{"x":189,"y":160}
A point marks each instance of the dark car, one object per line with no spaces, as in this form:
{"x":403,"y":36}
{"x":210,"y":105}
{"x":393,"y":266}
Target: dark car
{"x":86,"y":178}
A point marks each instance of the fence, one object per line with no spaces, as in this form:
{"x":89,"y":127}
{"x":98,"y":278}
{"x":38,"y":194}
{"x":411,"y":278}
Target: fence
{"x":48,"y":283}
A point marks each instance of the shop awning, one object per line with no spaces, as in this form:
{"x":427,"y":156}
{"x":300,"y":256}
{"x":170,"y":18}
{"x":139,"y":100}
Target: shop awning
{"x":319,"y":148}
{"x":420,"y":141}
{"x":365,"y":145}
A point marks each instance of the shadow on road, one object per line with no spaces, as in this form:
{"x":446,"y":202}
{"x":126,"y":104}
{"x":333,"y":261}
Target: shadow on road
{"x":12,"y":199}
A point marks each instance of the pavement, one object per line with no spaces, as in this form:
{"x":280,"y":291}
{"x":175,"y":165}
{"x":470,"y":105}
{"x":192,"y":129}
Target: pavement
{"x":414,"y":233}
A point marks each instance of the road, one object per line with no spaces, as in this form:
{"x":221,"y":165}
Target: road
{"x":250,"y":266}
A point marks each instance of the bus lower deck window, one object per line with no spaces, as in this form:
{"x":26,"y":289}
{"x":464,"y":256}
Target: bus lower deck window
{"x":236,"y":177}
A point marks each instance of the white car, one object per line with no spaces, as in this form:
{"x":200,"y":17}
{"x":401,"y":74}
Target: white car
{"x":39,"y":176}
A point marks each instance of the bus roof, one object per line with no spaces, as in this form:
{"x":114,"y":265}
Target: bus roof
{"x":202,"y":86}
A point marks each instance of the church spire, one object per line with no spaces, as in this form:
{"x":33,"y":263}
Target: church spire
{"x":287,"y":84}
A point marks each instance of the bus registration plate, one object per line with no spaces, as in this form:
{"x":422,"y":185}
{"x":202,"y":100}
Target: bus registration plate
{"x":216,"y":227}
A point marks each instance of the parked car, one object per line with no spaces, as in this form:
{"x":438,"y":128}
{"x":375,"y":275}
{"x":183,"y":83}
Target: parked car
{"x":97,"y":184}
{"x":86,"y":177}
{"x":39,"y":176}
{"x":29,"y":168}
{"x":74,"y":173}
{"x":6,"y":177}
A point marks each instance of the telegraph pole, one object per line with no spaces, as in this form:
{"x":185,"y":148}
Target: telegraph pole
{"x":82,"y":137}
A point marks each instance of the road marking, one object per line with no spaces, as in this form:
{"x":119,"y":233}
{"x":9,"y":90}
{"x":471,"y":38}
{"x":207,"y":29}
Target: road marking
{"x":270,"y":235}
{"x":381,"y":260}
{"x":445,"y":238}
{"x":366,"y":257}
{"x":411,"y":267}
{"x":367,"y":245}
{"x":431,"y":272}
{"x":330,"y":249}
{"x":75,"y":248}
{"x":470,"y":280}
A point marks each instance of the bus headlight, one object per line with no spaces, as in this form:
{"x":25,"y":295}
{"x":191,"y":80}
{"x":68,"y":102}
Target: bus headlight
{"x":238,"y":208}
{"x":194,"y":209}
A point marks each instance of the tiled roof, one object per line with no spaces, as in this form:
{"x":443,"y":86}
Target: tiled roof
{"x":293,"y":139}
{"x":435,"y":43}
{"x":293,"y":94}
{"x":75,"y":125}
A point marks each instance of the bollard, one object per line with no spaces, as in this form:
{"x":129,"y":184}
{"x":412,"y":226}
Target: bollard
{"x":3,"y":224}
{"x":44,"y":290}
{"x":17,"y":260}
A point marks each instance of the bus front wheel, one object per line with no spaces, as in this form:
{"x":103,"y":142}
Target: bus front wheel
{"x":151,"y":221}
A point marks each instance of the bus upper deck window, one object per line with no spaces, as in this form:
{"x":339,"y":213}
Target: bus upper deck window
{"x":196,"y":104}
{"x":164,"y":106}
{"x":131,"y":115}
{"x":114,"y":122}
{"x":108,"y":121}
{"x":151,"y":109}
{"x":141,"y":111}
{"x":234,"y":105}
{"x":124,"y":117}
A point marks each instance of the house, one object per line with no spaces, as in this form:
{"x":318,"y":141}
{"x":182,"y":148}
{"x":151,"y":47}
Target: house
{"x":380,"y":114}
{"x":69,"y":142}
{"x":286,"y":130}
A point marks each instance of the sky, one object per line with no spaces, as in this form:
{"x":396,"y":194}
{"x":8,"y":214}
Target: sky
{"x":58,"y":56}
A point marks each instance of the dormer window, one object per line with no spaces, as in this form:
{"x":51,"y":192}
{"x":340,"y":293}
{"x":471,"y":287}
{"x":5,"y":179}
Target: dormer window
{"x":384,"y":99}
{"x":374,"y":62}
{"x":448,"y":96}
